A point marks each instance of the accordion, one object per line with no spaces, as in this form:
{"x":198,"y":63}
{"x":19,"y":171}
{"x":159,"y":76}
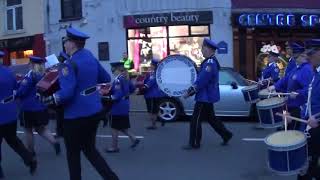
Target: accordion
{"x":49,"y":84}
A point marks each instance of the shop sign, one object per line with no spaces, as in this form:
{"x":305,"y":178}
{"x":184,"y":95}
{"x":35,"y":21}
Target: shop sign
{"x":162,"y":19}
{"x":278,"y":20}
{"x":17,"y":43}
{"x":223,"y":47}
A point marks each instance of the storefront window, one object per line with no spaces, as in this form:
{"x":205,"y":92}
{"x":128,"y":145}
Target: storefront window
{"x":20,"y":57}
{"x":178,"y":31}
{"x":262,"y":57}
{"x":161,"y":41}
{"x":189,"y":46}
{"x":196,"y":30}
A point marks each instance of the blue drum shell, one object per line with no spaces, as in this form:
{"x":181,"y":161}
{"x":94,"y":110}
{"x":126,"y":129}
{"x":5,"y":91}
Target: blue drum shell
{"x":289,"y":160}
{"x":251,"y":95}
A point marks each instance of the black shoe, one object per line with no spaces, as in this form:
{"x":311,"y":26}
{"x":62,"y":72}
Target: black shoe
{"x":226,"y":139}
{"x":1,"y":173}
{"x":163,"y":123}
{"x":135,"y":144}
{"x":117,"y":150}
{"x":33,"y":167}
{"x":189,"y":147}
{"x":57,"y":148}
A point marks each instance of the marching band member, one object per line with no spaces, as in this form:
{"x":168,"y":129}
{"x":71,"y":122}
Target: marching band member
{"x":152,"y":95}
{"x":8,"y":119}
{"x":296,"y":82}
{"x":34,"y":114}
{"x":271,"y":71}
{"x":120,"y":92}
{"x":206,"y":90}
{"x":59,"y":109}
{"x":313,"y":107}
{"x":81,"y":104}
{"x":293,"y":50}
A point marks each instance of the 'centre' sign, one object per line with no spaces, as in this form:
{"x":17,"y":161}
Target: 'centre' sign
{"x":280,"y":20}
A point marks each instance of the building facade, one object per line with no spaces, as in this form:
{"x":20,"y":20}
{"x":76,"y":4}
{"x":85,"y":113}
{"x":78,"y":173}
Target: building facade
{"x":22,"y":30}
{"x":144,"y":29}
{"x":257,"y":24}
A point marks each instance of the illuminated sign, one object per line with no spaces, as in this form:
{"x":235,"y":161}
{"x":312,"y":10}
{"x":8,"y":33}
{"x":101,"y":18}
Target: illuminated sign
{"x":280,"y":20}
{"x":173,"y":18}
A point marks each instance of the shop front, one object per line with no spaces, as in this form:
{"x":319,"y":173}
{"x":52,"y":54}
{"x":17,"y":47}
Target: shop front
{"x":162,"y":34}
{"x":254,"y":31}
{"x":18,"y":50}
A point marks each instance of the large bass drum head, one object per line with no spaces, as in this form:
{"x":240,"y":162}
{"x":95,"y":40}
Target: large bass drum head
{"x":175,"y":74}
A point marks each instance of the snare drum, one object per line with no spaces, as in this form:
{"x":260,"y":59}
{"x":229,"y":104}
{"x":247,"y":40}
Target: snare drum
{"x":287,"y":152}
{"x":264,"y":94}
{"x":250,"y":93}
{"x":267,"y":110}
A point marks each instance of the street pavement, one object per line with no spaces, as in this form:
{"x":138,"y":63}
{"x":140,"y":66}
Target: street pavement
{"x":159,"y":156}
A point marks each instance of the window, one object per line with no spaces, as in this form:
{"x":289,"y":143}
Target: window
{"x":71,"y":9}
{"x":225,"y":78}
{"x":20,"y":56}
{"x":14,"y":15}
{"x":161,"y":41}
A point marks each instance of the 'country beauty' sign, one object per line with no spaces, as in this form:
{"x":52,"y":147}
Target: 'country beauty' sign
{"x":162,"y":19}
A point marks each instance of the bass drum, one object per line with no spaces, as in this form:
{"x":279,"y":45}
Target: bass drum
{"x":175,"y":74}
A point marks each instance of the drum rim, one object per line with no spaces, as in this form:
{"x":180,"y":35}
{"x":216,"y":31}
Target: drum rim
{"x":163,"y":61}
{"x":251,"y":87}
{"x":286,"y":147}
{"x":274,"y":105}
{"x":265,"y":95}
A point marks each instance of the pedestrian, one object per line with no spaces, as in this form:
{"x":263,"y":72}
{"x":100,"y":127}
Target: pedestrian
{"x":206,"y":90}
{"x":34,"y":114}
{"x":82,"y":105}
{"x":119,"y":95}
{"x":8,"y":119}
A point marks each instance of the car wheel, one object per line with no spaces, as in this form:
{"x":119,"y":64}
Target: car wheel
{"x":168,"y":110}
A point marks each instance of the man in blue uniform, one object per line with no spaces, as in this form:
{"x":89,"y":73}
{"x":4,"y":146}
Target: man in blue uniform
{"x":119,"y":95}
{"x":271,"y":71}
{"x":293,"y":50}
{"x":152,"y":95}
{"x":8,"y":118}
{"x":296,"y":82}
{"x":206,"y":90}
{"x":82,"y":108}
{"x":313,"y":107}
{"x":34,"y":114}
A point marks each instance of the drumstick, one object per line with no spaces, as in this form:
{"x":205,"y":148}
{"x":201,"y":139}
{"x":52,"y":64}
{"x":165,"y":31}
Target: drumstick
{"x":282,"y":93}
{"x":285,"y":120}
{"x":253,"y":139}
{"x":291,"y":117}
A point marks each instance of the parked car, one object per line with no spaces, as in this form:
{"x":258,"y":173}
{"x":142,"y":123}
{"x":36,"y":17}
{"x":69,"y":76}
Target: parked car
{"x":231,"y":102}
